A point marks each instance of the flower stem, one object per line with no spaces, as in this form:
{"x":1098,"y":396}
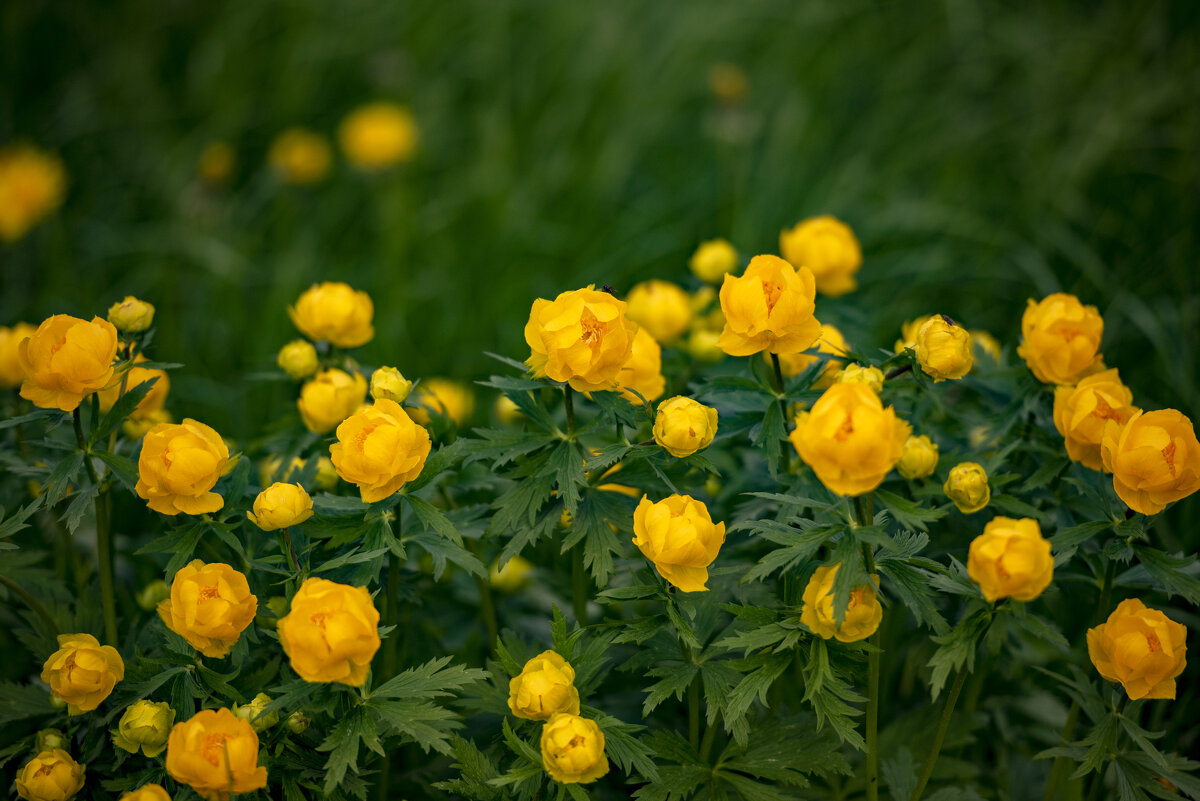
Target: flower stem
{"x":579,"y":588}
{"x":785,"y":454}
{"x":872,"y":768}
{"x":104,"y":555}
{"x":569,"y":405}
{"x":32,"y":602}
{"x":1060,"y":763}
{"x":285,"y":545}
{"x":939,"y":736}
{"x":694,"y":712}
{"x":706,"y":744}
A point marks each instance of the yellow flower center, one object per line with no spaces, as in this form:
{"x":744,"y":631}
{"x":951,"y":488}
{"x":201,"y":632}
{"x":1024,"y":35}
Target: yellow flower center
{"x":208,"y":593}
{"x":1155,"y":645}
{"x":844,"y":430}
{"x":166,"y":457}
{"x":771,"y":291}
{"x":856,"y":597}
{"x":214,"y":748}
{"x":1105,"y":412}
{"x":318,"y":620}
{"x":591,"y":328}
{"x":1000,"y":571}
{"x":1169,"y":454}
{"x":44,"y":770}
{"x":576,"y":741}
{"x":360,"y":439}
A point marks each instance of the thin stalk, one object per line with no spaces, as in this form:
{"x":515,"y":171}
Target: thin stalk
{"x":487,"y":609}
{"x":694,"y":712}
{"x":112,"y":439}
{"x":579,"y":588}
{"x":31,"y":602}
{"x":872,"y":767}
{"x":939,"y":736}
{"x":710,"y":732}
{"x":104,"y":554}
{"x":899,"y":371}
{"x":285,"y":545}
{"x":785,"y":455}
{"x":391,"y":611}
{"x":1097,"y":783}
{"x":569,"y":405}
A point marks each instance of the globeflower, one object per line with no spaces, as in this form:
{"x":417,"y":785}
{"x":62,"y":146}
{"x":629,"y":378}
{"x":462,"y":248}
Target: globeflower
{"x":770,"y":307}
{"x":147,"y":792}
{"x":154,"y":399}
{"x":678,"y":535}
{"x":331,"y":633}
{"x":179,"y":465}
{"x":1011,"y":559}
{"x":967,"y":485}
{"x":1060,"y":339}
{"x":52,"y":775}
{"x":82,"y":672}
{"x":1141,"y":648}
{"x":210,"y":606}
{"x":573,"y":749}
{"x":300,"y":156}
{"x":131,"y":315}
{"x":543,"y":688}
{"x":582,"y":338}
{"x":378,"y":135}
{"x":828,"y":247}
{"x":858,"y":374}
{"x":32,"y":184}
{"x":280,"y":506}
{"x":445,"y":397}
{"x":660,"y":307}
{"x":65,"y":360}
{"x":388,"y":383}
{"x":1081,"y":412}
{"x":863,"y":613}
{"x":11,"y":373}
{"x":145,"y":725}
{"x":683,"y":426}
{"x":298,"y":359}
{"x":380,"y":449}
{"x":1154,"y":459}
{"x":919,"y":457}
{"x":944,"y":349}
{"x":513,"y":577}
{"x":334,"y":312}
{"x":712,"y":260}
{"x":642,"y":372}
{"x":216,"y":754}
{"x":329,"y":398}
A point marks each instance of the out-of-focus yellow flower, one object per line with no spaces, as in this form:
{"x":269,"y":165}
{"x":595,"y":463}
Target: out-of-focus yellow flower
{"x":65,"y":360}
{"x":11,"y":374}
{"x":582,"y":337}
{"x":331,"y":633}
{"x":334,"y":312}
{"x":831,"y":342}
{"x":863,"y":613}
{"x":253,"y":712}
{"x":216,"y":754}
{"x":178,"y":467}
{"x":967,"y":485}
{"x":684,"y":426}
{"x":82,"y":672}
{"x":678,"y":535}
{"x":712,"y":260}
{"x":301,"y":156}
{"x":210,"y":606}
{"x":298,"y":359}
{"x":50,"y":776}
{"x":1011,"y":559}
{"x":131,"y":315}
{"x":770,"y":307}
{"x":660,"y":307}
{"x":443,"y":396}
{"x":944,"y":348}
{"x":380,"y":448}
{"x":32,"y":183}
{"x":281,"y":505}
{"x":1154,"y":459}
{"x":858,"y":374}
{"x":329,"y":398}
{"x":827,"y":246}
{"x":643,"y":370}
{"x":147,"y":792}
{"x":388,"y":383}
{"x":987,"y":343}
{"x":544,"y":687}
{"x":145,"y":725}
{"x":1082,"y":411}
{"x":919,"y":457}
{"x":704,"y":345}
{"x":513,"y":577}
{"x":154,"y":399}
{"x":378,"y":135}
{"x":728,"y":82}
{"x":1060,"y":339}
{"x":1141,"y":648}
{"x":216,"y":164}
{"x":700,"y":300}
{"x":908,"y":332}
{"x":137,"y":427}
{"x":506,"y":410}
{"x":573,"y":749}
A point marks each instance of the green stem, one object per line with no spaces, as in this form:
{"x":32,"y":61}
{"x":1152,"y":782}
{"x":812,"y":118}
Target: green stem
{"x":873,"y":670}
{"x":32,"y":602}
{"x":569,"y":405}
{"x":289,"y":550}
{"x":939,"y":736}
{"x":786,"y":456}
{"x":104,"y":553}
{"x":579,"y":588}
{"x":694,"y":712}
{"x":390,"y":613}
{"x":1060,"y":763}
{"x":1097,"y":783}
{"x":112,"y":440}
{"x":710,"y":732}
{"x":1110,"y":574}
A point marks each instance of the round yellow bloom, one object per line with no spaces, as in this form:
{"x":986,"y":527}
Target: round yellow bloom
{"x":643,"y":371}
{"x":148,"y":406}
{"x":1011,"y":559}
{"x":331,"y":633}
{"x":65,"y":360}
{"x":678,"y":535}
{"x":573,"y":749}
{"x":944,"y":349}
{"x":1082,"y":411}
{"x":712,"y":260}
{"x":147,"y":792}
{"x":137,"y":427}
{"x":863,"y":613}
{"x":32,"y":184}
{"x":858,"y":374}
{"x":506,"y":410}
{"x":179,"y":465}
{"x":443,"y":396}
{"x":684,"y":426}
{"x":210,"y":606}
{"x":145,"y":725}
{"x":515,"y":576}
{"x":1141,"y":648}
{"x":253,"y":712}
{"x":388,"y":383}
{"x":329,"y":398}
{"x":919,"y":457}
{"x":82,"y":672}
{"x":660,"y":307}
{"x":131,"y":315}
{"x":11,"y":373}
{"x":50,"y":776}
{"x":770,"y":307}
{"x":967,"y":485}
{"x":704,"y":345}
{"x":378,"y":135}
{"x":334,"y":312}
{"x":281,"y":505}
{"x":908,"y":332}
{"x":987,"y":343}
{"x":380,"y":448}
{"x":216,"y":754}
{"x":831,"y":342}
{"x":298,"y":359}
{"x":582,"y":337}
{"x":849,"y":439}
{"x":826,"y":246}
{"x":1060,"y":339}
{"x":300,"y":156}
{"x":543,"y":688}
{"x":216,"y":163}
{"x":1154,"y":459}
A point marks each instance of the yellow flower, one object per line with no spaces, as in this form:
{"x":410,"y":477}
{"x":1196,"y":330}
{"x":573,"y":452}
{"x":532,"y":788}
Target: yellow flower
{"x":573,"y":749}
{"x":582,"y":337}
{"x":380,"y":448}
{"x":987,"y":343}
{"x":660,"y":307}
{"x":944,"y":349}
{"x":513,"y":577}
{"x":216,"y":754}
{"x":331,"y":633}
{"x":179,"y":465}
{"x":826,"y":246}
{"x":919,"y":457}
{"x":145,"y":725}
{"x":210,"y":606}
{"x":147,"y":792}
{"x":298,"y":359}
{"x":443,"y":396}
{"x":1082,"y":411}
{"x":728,"y":82}
{"x":770,"y":307}
{"x":543,"y":688}
{"x":65,"y":360}
{"x":1141,"y":648}
{"x":50,"y":776}
{"x":253,"y":712}
{"x":301,"y":156}
{"x":1154,"y":459}
{"x":137,"y":427}
{"x":82,"y":672}
{"x":712,"y":260}
{"x":684,"y":426}
{"x":643,"y":370}
{"x":908,"y":332}
{"x":1060,"y":339}
{"x":281,"y":505}
{"x":216,"y":164}
{"x":11,"y":373}
{"x":858,"y":374}
{"x":334,"y":312}
{"x":1011,"y":559}
{"x":831,"y":342}
{"x":388,"y":383}
{"x":329,"y":398}
{"x":153,"y":401}
{"x":679,"y":537}
{"x":704,"y":345}
{"x":862,"y":614}
{"x":378,"y":135}
{"x":506,"y":410}
{"x":849,"y":439}
{"x":131,"y":315}
{"x":32,"y":184}
{"x":967,"y":486}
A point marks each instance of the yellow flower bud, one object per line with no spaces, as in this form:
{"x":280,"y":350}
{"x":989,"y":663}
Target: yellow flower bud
{"x":32,"y":184}
{"x":944,"y":349}
{"x":712,"y":260}
{"x":684,"y":426}
{"x":831,"y":342}
{"x":331,"y":633}
{"x":145,"y":725}
{"x":50,"y":776}
{"x":968,"y":487}
{"x":154,"y":593}
{"x":919,"y":457}
{"x":388,"y":383}
{"x":678,"y":535}
{"x":216,"y":754}
{"x":705,"y":346}
{"x":281,"y":505}
{"x":987,"y":343}
{"x":300,"y":156}
{"x":643,"y":370}
{"x":253,"y":712}
{"x":908,"y":332}
{"x":828,"y":247}
{"x":445,"y":397}
{"x":1060,"y":339}
{"x":210,"y":606}
{"x":513,"y":577}
{"x":11,"y":374}
{"x":380,"y":448}
{"x":49,"y":739}
{"x":334,"y":312}
{"x":573,"y":749}
{"x":378,"y":135}
{"x":216,"y":164}
{"x":1141,"y":648}
{"x":82,"y":672}
{"x":131,"y":315}
{"x":178,"y":467}
{"x":858,"y":374}
{"x":1011,"y":559}
{"x":298,"y":722}
{"x":330,"y":398}
{"x":863,"y":613}
{"x":506,"y":410}
{"x":582,"y":337}
{"x":1081,"y":412}
{"x":660,"y":307}
{"x":298,"y":359}
{"x":65,"y":360}
{"x":147,"y":792}
{"x":770,"y":307}
{"x":138,"y":427}
{"x":1154,"y":459}
{"x":543,"y":688}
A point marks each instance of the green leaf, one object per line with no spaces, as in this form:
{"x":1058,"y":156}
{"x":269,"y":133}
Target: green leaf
{"x":405,"y":702}
{"x":1075,"y":536}
{"x":771,"y":435}
{"x":352,"y":557}
{"x":756,"y":684}
{"x":672,"y":680}
{"x":20,"y":701}
{"x":439,"y":462}
{"x":40,"y":414}
{"x":124,"y":469}
{"x":120,"y":410}
{"x":624,"y":748}
{"x":475,"y":772}
{"x":912,"y":586}
{"x":566,"y":464}
{"x":64,"y":474}
{"x":1172,"y":573}
{"x":342,"y":743}
{"x":433,"y":519}
{"x":956,"y":649}
{"x":899,"y":773}
{"x":831,"y":696}
{"x":910,"y":514}
{"x":16,"y":521}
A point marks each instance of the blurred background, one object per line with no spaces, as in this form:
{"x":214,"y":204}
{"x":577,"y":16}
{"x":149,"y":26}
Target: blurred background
{"x":983,"y":152}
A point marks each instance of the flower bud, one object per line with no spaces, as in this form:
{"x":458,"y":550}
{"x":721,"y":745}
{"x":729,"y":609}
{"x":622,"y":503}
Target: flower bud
{"x":1154,"y":459}
{"x":298,"y":359}
{"x":858,"y":374}
{"x":573,"y":749}
{"x":147,"y":792}
{"x":828,"y":247}
{"x":1011,"y":559}
{"x":1141,"y":648}
{"x":334,"y":312}
{"x":660,"y":307}
{"x":330,"y":398}
{"x":1082,"y":411}
{"x":49,"y":739}
{"x":145,"y":725}
{"x":281,"y":505}
{"x":1060,"y":339}
{"x":253,"y":712}
{"x":149,"y":597}
{"x":298,"y":722}
{"x":678,"y":535}
{"x":712,"y":260}
{"x":944,"y":349}
{"x":712,"y":486}
{"x":131,"y":316}
{"x":684,"y":426}
{"x":82,"y":672}
{"x":543,"y":688}
{"x":968,"y":487}
{"x":513,"y":577}
{"x":863,"y":613}
{"x":387,"y":383}
{"x":50,"y":776}
{"x":193,"y":757}
{"x":908,"y":333}
{"x":919,"y":457}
